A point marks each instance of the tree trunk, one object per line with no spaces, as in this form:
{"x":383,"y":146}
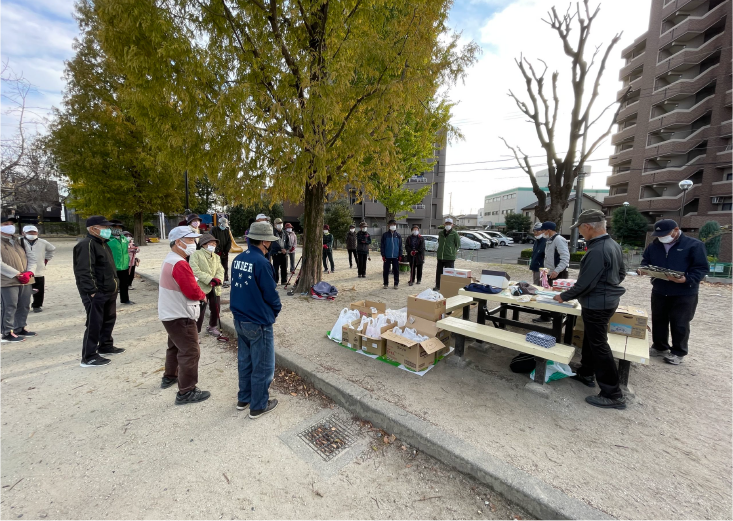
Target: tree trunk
{"x":138,"y":234}
{"x":312,"y":236}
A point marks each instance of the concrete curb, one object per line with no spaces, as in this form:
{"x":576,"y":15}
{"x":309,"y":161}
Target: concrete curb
{"x":532,"y":494}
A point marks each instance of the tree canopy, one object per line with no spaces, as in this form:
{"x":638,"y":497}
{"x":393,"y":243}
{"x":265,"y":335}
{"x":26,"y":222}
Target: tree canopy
{"x":711,"y":235}
{"x":338,"y":218}
{"x":629,"y":225}
{"x":517,"y":222}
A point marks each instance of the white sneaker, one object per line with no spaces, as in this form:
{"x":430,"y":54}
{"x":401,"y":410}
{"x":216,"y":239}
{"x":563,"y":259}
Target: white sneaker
{"x":213,"y":331}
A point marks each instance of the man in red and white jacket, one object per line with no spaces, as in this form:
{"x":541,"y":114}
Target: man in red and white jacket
{"x":179,"y":297}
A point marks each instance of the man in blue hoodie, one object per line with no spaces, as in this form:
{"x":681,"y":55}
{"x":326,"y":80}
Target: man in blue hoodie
{"x":391,"y":248}
{"x":255,"y":305}
{"x":674,"y":300}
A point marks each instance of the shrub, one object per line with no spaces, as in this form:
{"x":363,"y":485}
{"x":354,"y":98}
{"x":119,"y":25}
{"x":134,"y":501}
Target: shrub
{"x":577,"y":256}
{"x":526,"y":254}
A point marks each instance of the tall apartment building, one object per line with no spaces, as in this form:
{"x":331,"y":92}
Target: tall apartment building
{"x":675,"y":124}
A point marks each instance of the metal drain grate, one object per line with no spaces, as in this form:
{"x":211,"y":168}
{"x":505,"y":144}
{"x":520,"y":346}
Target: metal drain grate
{"x":329,"y":437}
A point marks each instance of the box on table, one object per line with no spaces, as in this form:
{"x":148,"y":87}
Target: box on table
{"x":450,"y":284}
{"x":350,"y":336}
{"x":428,"y":309}
{"x":455,"y":272}
{"x":375,"y":346}
{"x":365,"y":308}
{"x":497,"y":279}
{"x":417,"y":356}
{"x":563,"y":283}
{"x":629,"y":321}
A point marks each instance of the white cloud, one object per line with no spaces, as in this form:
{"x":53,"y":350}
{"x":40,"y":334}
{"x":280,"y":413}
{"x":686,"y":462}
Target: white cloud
{"x":485,"y":112}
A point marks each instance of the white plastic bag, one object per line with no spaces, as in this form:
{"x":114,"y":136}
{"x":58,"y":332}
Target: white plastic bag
{"x":429,"y":294}
{"x":346,"y":316}
{"x":362,"y":325}
{"x":375,"y":325}
{"x":555,"y":371}
{"x":397,"y":315}
{"x":410,"y":334}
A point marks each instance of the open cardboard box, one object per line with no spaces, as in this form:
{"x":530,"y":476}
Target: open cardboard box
{"x":376,"y":346}
{"x":629,"y":321}
{"x":449,"y":285}
{"x":417,"y":356}
{"x":365,"y":308}
{"x":428,"y":309}
{"x":350,"y":336}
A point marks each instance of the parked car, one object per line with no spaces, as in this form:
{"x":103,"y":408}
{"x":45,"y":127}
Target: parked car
{"x":468,"y":244}
{"x":522,"y":237}
{"x":485,"y":243}
{"x":503,"y":239}
{"x":431,"y":242}
{"x":494,"y":243}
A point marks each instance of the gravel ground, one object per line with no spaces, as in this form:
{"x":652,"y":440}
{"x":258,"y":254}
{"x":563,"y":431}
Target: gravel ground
{"x":667,"y":456}
{"x":108,"y":443}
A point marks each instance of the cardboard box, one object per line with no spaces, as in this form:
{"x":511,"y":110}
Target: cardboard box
{"x":350,"y":336}
{"x":449,"y":285}
{"x":578,"y":335}
{"x":497,"y":279}
{"x":375,"y":346}
{"x":417,"y":356}
{"x":455,"y":272}
{"x":365,"y":307}
{"x":428,"y":309}
{"x":629,"y":321}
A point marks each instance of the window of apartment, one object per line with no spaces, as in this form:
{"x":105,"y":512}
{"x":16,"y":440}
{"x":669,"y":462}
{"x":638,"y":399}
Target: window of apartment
{"x":526,"y":214}
{"x":435,"y":211}
{"x":435,"y":189}
{"x":729,"y":176}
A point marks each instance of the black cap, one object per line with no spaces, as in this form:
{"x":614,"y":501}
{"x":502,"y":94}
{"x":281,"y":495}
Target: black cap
{"x":8,"y":218}
{"x":193,"y":217}
{"x":392,"y":221}
{"x":664,"y":227}
{"x":98,"y":220}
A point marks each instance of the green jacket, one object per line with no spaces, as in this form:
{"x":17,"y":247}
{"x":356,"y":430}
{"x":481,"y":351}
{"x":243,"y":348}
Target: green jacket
{"x":119,"y":245}
{"x":448,"y":245}
{"x":206,"y":266}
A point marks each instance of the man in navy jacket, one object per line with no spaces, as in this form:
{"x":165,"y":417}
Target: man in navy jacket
{"x":536,"y":262}
{"x":674,"y":300}
{"x":391,"y":248}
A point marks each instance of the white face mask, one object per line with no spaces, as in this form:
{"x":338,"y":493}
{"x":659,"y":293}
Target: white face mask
{"x":211,"y":248}
{"x":363,"y":229}
{"x":279,"y":227}
{"x":288,"y":230}
{"x":31,"y":237}
{"x":667,"y":239}
{"x":195,"y":224}
{"x":352,"y":229}
{"x":189,"y":249}
{"x":326,"y":232}
{"x":415,"y":232}
{"x":448,"y":227}
{"x":393,"y":228}
{"x":8,"y":228}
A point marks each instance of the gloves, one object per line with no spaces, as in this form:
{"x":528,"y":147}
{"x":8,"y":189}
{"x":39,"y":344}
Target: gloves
{"x":399,"y":258}
{"x":413,"y":253}
{"x":24,"y":277}
{"x":325,"y":246}
{"x":215,"y":282}
{"x":45,"y":261}
{"x":384,"y":259}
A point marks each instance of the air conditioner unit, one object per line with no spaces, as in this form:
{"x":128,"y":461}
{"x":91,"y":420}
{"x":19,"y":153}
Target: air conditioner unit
{"x":716,"y":200}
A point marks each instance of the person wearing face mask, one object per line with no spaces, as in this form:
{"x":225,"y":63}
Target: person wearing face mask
{"x":327,"y":249}
{"x":42,"y":250}
{"x":209,"y":274}
{"x":97,"y":282}
{"x":391,"y":248}
{"x":557,"y":255}
{"x":293,"y":243}
{"x":179,"y":306}
{"x":363,"y":240}
{"x":536,"y":262}
{"x":255,"y":305}
{"x":119,"y":244}
{"x":194,"y":222}
{"x":449,"y":242}
{"x":224,"y":243}
{"x":17,"y":267}
{"x":134,"y":260}
{"x":674,"y":300}
{"x":415,"y":248}
{"x":351,"y":244}
{"x":261,"y":218}
{"x":279,"y":253}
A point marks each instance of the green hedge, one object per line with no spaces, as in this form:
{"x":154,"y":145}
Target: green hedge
{"x":577,"y":256}
{"x":526,"y":254}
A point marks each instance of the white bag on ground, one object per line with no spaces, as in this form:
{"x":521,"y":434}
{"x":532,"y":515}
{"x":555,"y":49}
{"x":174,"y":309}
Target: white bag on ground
{"x":397,"y":315}
{"x":375,"y":325}
{"x":429,"y":294}
{"x":346,"y":316}
{"x":410,"y":334}
{"x":555,"y":371}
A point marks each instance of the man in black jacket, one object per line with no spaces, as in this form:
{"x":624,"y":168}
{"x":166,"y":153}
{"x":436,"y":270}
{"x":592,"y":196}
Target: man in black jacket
{"x":279,"y":251}
{"x":674,"y":300}
{"x":536,"y":262}
{"x":363,"y":240}
{"x":223,"y":243}
{"x":97,"y":282}
{"x":598,"y":291}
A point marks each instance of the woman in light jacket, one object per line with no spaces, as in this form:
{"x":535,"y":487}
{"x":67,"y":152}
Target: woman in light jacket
{"x":43,"y":251}
{"x":209,"y":274}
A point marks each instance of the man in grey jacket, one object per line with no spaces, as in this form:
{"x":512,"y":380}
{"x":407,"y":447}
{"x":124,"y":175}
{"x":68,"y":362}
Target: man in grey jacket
{"x":17,"y":268}
{"x":598,"y":291}
{"x":557,"y":255}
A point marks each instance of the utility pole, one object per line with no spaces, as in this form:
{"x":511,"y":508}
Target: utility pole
{"x":576,"y":211}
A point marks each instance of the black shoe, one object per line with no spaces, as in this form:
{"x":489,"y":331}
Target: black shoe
{"x":95,"y":361}
{"x":271,"y":404}
{"x":606,"y":403}
{"x":25,"y":332}
{"x":111,"y":350}
{"x":12,"y":338}
{"x":37,"y":310}
{"x":588,"y":381}
{"x":418,"y":282}
{"x":129,"y":302}
{"x":241,"y":406}
{"x":166,"y":382}
{"x":541,"y":320}
{"x":395,"y":287}
{"x":193,"y":396}
{"x":409,"y":283}
{"x":436,"y":288}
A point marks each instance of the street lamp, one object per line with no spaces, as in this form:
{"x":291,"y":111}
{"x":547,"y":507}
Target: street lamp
{"x":626,"y":205}
{"x":684,"y":186}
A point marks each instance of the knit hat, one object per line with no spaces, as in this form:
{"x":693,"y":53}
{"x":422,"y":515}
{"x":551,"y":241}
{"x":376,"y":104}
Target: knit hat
{"x":207,"y":237}
{"x":549,"y":225}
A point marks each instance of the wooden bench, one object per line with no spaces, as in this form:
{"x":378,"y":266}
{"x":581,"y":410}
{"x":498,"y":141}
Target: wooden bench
{"x":462,"y":328}
{"x":459,"y":302}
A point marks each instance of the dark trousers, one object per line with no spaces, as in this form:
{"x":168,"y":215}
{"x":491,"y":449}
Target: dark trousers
{"x":439,"y":270}
{"x":39,"y":284}
{"x":415,"y":270}
{"x":182,"y":356}
{"x":672,"y":313}
{"x":101,"y":316}
{"x":280,"y":267}
{"x":395,"y":265}
{"x":352,"y":252}
{"x":361,"y":262}
{"x":124,"y":285}
{"x":214,"y":305}
{"x":327,"y":254}
{"x":596,"y":358}
{"x":131,"y":276}
{"x":225,"y":263}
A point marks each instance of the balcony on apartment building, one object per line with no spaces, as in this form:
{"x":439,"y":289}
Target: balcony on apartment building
{"x":677,"y":138}
{"x":633,"y":59}
{"x":623,"y":152}
{"x":418,"y":211}
{"x":666,"y":197}
{"x":682,"y":109}
{"x":686,"y":75}
{"x":694,"y":50}
{"x":626,"y":130}
{"x":630,"y":106}
{"x":694,"y":17}
{"x":632,"y":79}
{"x":618,"y":194}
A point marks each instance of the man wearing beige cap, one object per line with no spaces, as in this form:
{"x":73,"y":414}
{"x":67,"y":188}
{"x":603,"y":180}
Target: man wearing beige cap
{"x":598,"y":291}
{"x":42,"y":250}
